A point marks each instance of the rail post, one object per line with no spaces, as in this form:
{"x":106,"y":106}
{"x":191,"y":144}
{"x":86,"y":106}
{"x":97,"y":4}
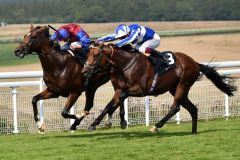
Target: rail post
{"x":14,"y":101}
{"x":147,"y":110}
{"x":72,"y":111}
{"x":41,"y":105}
{"x":178,"y":119}
{"x":125,"y":104}
{"x":226,"y":104}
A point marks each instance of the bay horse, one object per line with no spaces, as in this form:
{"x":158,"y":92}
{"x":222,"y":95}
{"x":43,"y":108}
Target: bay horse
{"x":62,"y":76}
{"x":133,"y":75}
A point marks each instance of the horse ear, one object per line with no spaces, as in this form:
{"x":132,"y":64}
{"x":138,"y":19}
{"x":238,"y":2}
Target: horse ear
{"x":31,"y":28}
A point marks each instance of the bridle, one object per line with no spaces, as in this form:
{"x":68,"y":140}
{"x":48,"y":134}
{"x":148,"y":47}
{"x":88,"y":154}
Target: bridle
{"x":100,"y":56}
{"x":31,"y":44}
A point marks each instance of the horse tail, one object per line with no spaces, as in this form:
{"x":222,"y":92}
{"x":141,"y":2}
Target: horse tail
{"x":224,"y":83}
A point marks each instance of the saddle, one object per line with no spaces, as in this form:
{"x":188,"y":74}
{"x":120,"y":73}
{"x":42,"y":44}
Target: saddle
{"x":164,"y":61}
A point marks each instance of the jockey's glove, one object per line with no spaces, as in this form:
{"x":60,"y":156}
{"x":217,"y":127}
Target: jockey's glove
{"x":55,"y":44}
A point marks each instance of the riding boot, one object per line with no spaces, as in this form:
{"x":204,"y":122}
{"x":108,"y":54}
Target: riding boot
{"x":152,"y":60}
{"x":80,"y":55}
{"x":159,"y":55}
{"x":155,"y":52}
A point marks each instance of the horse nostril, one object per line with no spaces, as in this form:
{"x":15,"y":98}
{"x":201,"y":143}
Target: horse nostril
{"x":17,"y":51}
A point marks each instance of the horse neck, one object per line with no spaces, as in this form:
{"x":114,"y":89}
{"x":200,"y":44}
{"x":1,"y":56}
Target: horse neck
{"x":122,"y":58}
{"x":52,"y":60}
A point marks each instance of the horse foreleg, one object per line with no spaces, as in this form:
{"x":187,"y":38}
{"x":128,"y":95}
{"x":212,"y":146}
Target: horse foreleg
{"x":46,"y":94}
{"x":88,"y":106}
{"x":118,"y":99}
{"x":123,"y":122}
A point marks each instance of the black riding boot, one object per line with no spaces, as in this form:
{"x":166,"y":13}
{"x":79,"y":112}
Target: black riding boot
{"x":155,"y":53}
{"x":159,"y":55}
{"x":152,"y":60}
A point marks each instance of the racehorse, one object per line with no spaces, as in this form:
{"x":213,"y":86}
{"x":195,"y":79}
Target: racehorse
{"x":61,"y":74}
{"x":133,"y":75}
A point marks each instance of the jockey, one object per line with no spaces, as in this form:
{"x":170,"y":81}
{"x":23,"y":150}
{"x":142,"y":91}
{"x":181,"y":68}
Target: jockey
{"x":74,"y":36}
{"x":143,"y":39}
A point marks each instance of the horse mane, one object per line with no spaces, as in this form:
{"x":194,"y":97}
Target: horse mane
{"x":38,"y":27}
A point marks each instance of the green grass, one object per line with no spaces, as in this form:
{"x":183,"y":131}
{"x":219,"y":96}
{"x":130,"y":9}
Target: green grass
{"x":8,"y":58}
{"x":218,"y":139}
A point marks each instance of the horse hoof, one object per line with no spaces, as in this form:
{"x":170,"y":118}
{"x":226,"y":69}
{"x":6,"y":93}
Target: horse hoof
{"x":73,"y":128}
{"x":108,"y":125}
{"x":82,"y":115}
{"x":154,"y":129}
{"x":41,"y":127}
{"x":91,"y":128}
{"x":41,"y":130}
{"x":123,"y":125}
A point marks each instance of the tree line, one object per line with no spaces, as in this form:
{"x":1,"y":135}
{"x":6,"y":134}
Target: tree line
{"x":96,"y":11}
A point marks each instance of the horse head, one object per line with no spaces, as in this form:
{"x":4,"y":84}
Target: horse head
{"x":33,"y":41}
{"x":98,"y":59}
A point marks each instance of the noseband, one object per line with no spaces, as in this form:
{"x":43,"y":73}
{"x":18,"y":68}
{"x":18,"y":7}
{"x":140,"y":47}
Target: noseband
{"x":27,"y":46}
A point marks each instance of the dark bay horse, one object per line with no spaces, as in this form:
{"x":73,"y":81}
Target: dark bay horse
{"x":133,"y":76}
{"x":61,"y":74}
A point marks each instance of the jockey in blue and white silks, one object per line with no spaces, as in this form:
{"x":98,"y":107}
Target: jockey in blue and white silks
{"x":141,"y":38}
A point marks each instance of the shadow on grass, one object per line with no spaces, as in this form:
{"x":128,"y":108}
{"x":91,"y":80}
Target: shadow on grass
{"x":123,"y":134}
{"x":126,"y":134}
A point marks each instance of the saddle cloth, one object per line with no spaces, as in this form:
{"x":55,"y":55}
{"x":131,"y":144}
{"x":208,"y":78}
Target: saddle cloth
{"x":164,"y":62}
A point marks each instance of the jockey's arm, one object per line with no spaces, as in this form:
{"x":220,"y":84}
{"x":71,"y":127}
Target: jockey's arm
{"x":54,"y":36}
{"x":107,"y":38}
{"x":129,"y":39}
{"x":85,"y":41}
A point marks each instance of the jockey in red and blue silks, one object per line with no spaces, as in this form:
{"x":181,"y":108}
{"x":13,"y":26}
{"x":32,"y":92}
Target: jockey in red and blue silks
{"x":143,"y":39}
{"x":74,"y":35}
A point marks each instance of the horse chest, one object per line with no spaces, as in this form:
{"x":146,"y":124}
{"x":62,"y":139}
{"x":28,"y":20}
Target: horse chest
{"x":55,"y":84}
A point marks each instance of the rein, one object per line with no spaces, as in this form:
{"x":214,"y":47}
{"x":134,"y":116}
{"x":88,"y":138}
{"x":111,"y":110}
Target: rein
{"x":126,"y":67}
{"x":130,"y":63}
{"x":101,"y":54}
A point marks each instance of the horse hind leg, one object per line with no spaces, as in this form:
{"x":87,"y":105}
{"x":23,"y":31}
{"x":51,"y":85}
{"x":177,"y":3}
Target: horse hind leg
{"x":123,"y":122}
{"x":179,"y":94}
{"x":192,"y":109}
{"x":175,"y":107}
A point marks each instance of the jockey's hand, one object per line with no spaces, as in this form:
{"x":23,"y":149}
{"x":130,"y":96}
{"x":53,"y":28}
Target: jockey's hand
{"x":54,"y":44}
{"x":96,"y":41}
{"x":75,"y":45}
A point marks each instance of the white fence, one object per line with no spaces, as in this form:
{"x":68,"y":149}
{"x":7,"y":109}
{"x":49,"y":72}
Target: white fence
{"x":16,"y":114}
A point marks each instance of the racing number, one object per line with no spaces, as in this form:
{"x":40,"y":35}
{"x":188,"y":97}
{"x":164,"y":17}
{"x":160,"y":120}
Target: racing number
{"x":170,"y":58}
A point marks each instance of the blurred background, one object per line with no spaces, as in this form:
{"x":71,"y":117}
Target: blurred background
{"x":206,"y":30}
